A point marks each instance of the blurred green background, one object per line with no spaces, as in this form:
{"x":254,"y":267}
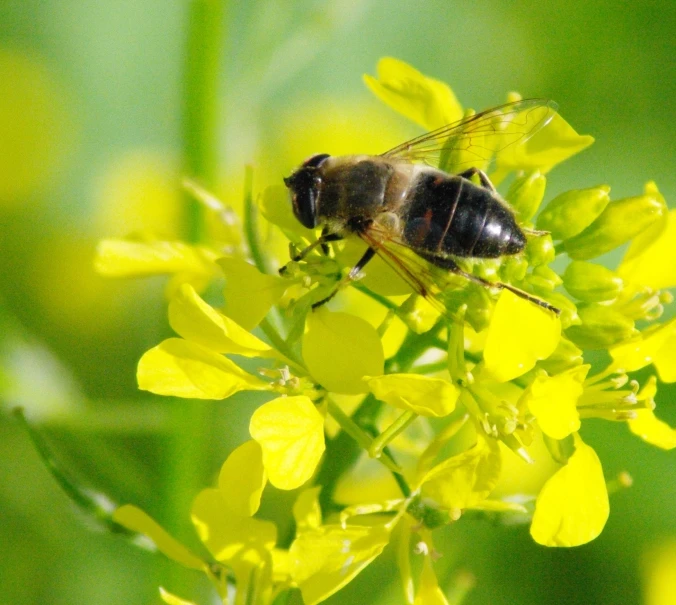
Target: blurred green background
{"x":91,"y":104}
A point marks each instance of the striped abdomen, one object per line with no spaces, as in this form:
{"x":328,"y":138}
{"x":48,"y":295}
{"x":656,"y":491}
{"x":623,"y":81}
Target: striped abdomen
{"x":450,"y":215}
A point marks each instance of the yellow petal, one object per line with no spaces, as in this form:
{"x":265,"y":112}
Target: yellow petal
{"x":340,"y":349}
{"x":420,"y":394}
{"x":648,"y":348}
{"x":195,"y":320}
{"x":249,"y":294}
{"x":650,"y":260}
{"x":136,"y":520}
{"x":227,"y":534}
{"x":428,"y":592}
{"x":466,"y":479}
{"x":553,"y":401}
{"x":184,"y":369}
{"x":653,"y":430}
{"x":424,"y":100}
{"x":325,"y":559}
{"x":665,"y":359}
{"x":306,"y":510}
{"x":242,"y":479}
{"x":520,"y":334}
{"x":126,"y":258}
{"x":172,"y":599}
{"x":556,"y":142}
{"x":291,"y":432}
{"x":572,"y":507}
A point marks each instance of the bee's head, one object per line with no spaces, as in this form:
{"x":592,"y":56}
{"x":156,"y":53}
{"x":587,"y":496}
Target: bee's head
{"x":304,"y":185}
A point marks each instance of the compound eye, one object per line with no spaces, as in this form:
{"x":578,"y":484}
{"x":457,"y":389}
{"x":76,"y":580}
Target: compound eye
{"x":304,"y":187}
{"x":315,"y":161}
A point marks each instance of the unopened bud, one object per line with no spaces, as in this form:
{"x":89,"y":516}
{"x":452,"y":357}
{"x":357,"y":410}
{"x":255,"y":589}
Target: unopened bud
{"x":544,"y":279}
{"x":565,"y":356}
{"x":591,"y":283}
{"x":621,"y":221}
{"x":540,"y":250}
{"x":601,"y":327}
{"x":525,"y":195}
{"x":573,"y":211}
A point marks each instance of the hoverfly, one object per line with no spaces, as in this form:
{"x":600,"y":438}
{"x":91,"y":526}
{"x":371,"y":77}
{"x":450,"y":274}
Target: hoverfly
{"x":397,"y":201}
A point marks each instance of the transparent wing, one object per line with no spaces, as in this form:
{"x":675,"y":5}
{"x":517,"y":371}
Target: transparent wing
{"x":441,"y":288}
{"x":475,"y":140}
{"x":445,"y":289}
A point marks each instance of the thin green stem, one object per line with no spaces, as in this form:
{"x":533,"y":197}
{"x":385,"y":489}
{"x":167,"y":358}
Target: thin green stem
{"x":342,"y":452}
{"x":379,"y":298}
{"x":187,"y":464}
{"x":361,"y":437}
{"x":251,"y":230}
{"x":383,"y":440}
{"x":281,"y":345}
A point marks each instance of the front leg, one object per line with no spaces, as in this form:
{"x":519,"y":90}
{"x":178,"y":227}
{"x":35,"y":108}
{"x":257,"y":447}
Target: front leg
{"x":320,"y":241}
{"x":351,"y":276}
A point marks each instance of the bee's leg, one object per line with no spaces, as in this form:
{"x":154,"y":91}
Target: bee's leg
{"x":351,"y":276}
{"x":535,"y":232}
{"x":451,"y":266}
{"x":483,"y":177}
{"x":320,"y":241}
{"x":328,"y":237}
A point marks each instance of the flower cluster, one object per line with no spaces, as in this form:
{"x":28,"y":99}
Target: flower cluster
{"x":440,"y":410}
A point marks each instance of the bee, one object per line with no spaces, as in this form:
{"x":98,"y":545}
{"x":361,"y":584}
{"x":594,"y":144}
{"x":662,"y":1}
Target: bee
{"x":397,"y":201}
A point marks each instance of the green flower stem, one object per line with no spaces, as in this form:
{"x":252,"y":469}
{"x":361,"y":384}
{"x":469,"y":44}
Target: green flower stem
{"x":188,"y":460}
{"x":379,"y":298}
{"x":281,"y":345}
{"x":342,"y":452}
{"x":363,"y":439}
{"x":381,"y":441}
{"x":251,"y":229}
{"x":202,"y":103}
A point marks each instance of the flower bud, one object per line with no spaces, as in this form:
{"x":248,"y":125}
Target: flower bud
{"x":591,"y":283}
{"x":565,"y":356}
{"x":621,"y":221}
{"x":544,"y":279}
{"x":540,"y":250}
{"x":526,"y":193}
{"x":573,"y":211}
{"x":601,"y":327}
